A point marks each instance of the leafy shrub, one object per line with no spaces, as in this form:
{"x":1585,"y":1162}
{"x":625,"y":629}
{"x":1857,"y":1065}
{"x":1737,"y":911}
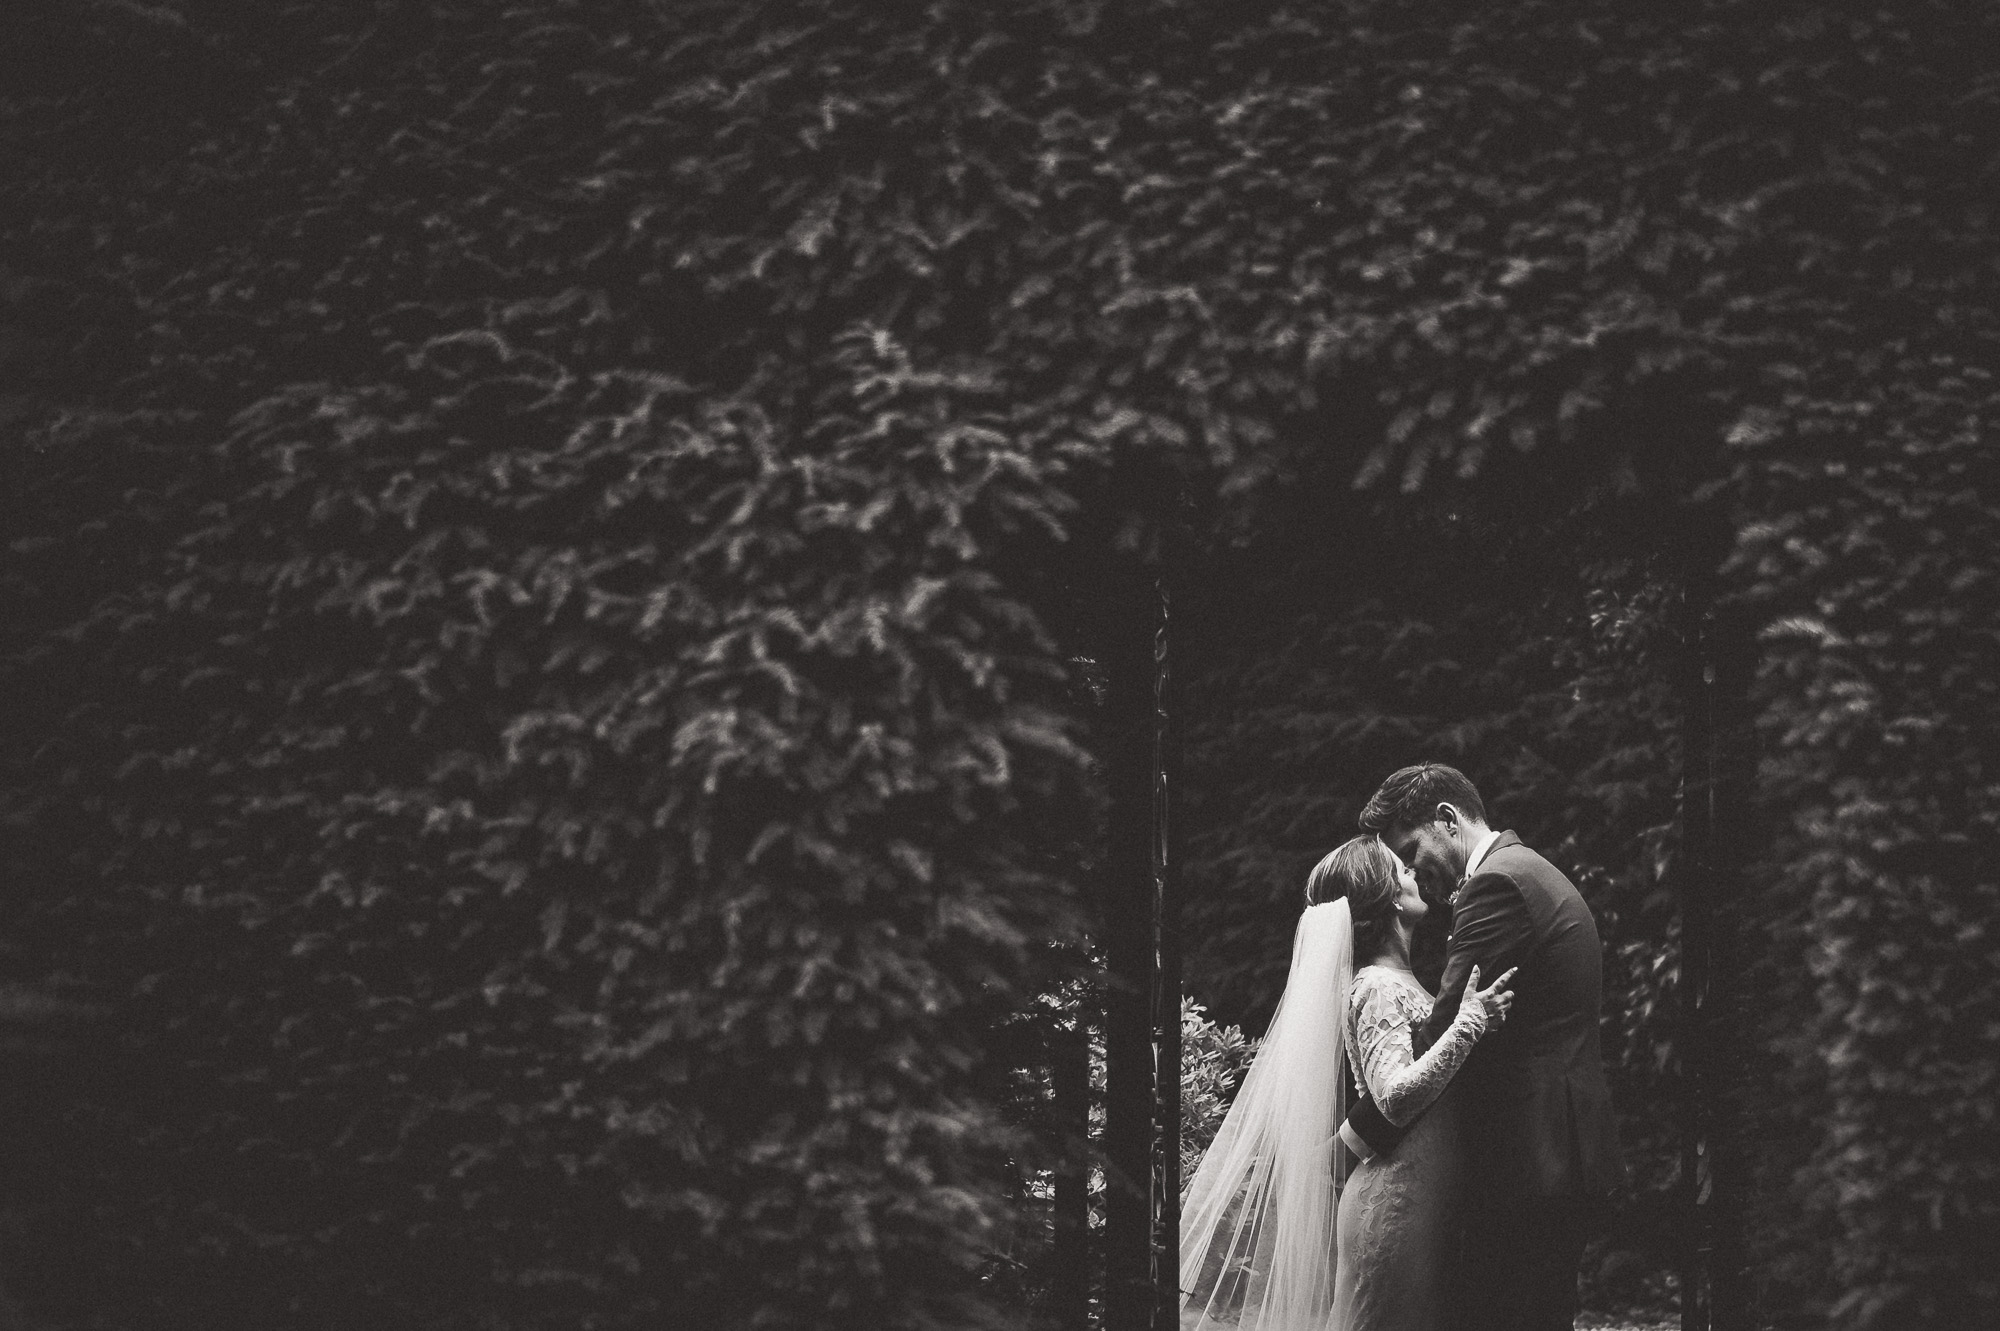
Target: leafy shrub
{"x":1213,"y":1060}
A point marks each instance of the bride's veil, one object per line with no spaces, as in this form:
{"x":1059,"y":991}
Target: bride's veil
{"x":1257,"y":1220}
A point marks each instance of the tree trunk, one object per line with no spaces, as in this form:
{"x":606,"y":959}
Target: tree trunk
{"x":1069,"y":1293}
{"x":1131,"y":957}
{"x":1168,"y":641}
{"x":1715,"y":790}
{"x":1142,"y":1005}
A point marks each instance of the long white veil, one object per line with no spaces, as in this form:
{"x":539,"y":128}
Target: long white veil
{"x":1257,"y":1220}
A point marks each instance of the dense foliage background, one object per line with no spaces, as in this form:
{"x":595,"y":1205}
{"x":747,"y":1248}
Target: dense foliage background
{"x":544,"y":541}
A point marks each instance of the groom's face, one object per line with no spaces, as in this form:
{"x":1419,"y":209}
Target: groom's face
{"x":1432,"y":852}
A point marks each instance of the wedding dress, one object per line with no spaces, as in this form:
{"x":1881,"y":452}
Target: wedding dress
{"x":1259,"y":1249}
{"x":1397,"y":1210}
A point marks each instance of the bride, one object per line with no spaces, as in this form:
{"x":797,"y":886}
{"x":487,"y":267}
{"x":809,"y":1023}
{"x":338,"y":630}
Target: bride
{"x":1270,"y":1240}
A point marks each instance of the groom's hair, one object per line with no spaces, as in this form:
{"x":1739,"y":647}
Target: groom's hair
{"x":1411,"y":795}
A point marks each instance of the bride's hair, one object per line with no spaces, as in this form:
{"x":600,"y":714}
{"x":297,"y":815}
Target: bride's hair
{"x":1364,"y":871}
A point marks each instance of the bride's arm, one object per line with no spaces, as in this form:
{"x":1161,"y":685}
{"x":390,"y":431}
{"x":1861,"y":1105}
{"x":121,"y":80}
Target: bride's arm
{"x":1402,"y":1086}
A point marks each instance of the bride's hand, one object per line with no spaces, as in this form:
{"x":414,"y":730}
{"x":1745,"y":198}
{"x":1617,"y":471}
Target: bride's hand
{"x":1492,"y":1002}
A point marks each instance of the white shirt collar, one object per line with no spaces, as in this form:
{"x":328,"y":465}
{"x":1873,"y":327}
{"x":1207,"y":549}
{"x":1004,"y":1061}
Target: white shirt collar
{"x":1479,"y":853}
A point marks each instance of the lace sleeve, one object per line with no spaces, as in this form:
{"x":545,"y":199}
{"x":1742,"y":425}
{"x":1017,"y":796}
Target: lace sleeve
{"x":1402,"y":1086}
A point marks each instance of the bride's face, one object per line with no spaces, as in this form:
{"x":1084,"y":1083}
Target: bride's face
{"x":1410,"y":903}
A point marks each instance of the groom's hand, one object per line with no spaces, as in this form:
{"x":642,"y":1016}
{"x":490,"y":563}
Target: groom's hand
{"x":1488,"y":1005}
{"x":1366,"y":1133}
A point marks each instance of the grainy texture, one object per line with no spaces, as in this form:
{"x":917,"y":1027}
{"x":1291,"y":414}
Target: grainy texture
{"x":480,"y":472}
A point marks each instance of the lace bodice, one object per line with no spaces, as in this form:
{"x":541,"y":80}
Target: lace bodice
{"x":1384,"y":1007}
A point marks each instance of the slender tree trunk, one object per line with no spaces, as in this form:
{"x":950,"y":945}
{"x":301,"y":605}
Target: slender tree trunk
{"x":1694,"y":887}
{"x":1168,"y":644}
{"x":1715,"y":790}
{"x":1130,"y":938}
{"x":1069,"y":1294}
{"x":1731,"y":658}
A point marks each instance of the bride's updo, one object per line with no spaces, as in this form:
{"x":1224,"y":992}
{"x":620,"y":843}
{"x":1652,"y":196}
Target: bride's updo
{"x":1364,"y":871}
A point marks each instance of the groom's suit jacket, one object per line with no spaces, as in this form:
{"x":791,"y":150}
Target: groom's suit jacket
{"x":1537,"y":1111}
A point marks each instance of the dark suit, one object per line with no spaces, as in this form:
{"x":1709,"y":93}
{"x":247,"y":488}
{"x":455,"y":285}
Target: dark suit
{"x":1541,"y":1142}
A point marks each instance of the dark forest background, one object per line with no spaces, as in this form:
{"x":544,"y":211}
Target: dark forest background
{"x":554,"y":550}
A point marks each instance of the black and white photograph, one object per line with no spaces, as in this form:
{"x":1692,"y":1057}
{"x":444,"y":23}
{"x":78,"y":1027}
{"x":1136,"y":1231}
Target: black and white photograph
{"x":999,"y":665}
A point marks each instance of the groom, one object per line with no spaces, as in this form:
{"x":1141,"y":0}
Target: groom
{"x":1541,"y":1147}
